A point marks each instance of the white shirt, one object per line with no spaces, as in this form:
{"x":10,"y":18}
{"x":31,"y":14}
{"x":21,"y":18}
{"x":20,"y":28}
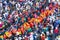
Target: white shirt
{"x":16,"y":38}
{"x":5,"y":14}
{"x":6,"y":7}
{"x":58,"y":38}
{"x":46,"y":38}
{"x":20,"y":38}
{"x":51,"y":31}
{"x":5,"y":2}
{"x":52,"y":18}
{"x":57,"y":0}
{"x":37,"y":4}
{"x":17,"y":33}
{"x":18,"y":6}
{"x":27,"y":7}
{"x":31,"y":37}
{"x":47,"y":32}
{"x":58,"y":3}
{"x":49,"y":1}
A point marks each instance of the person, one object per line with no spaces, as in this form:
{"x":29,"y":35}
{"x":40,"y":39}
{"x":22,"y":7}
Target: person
{"x":31,"y":36}
{"x":23,"y":16}
{"x":26,"y":38}
{"x":58,"y":38}
{"x":56,"y":31}
{"x":15,"y":38}
{"x":42,"y":36}
{"x":46,"y":38}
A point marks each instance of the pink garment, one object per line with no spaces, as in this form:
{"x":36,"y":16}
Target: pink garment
{"x":1,"y":25}
{"x":35,"y":15}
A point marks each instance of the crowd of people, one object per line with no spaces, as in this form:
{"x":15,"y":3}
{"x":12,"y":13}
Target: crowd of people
{"x":29,"y":19}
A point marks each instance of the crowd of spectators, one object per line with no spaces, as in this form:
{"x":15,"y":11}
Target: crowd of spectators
{"x":29,"y":19}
